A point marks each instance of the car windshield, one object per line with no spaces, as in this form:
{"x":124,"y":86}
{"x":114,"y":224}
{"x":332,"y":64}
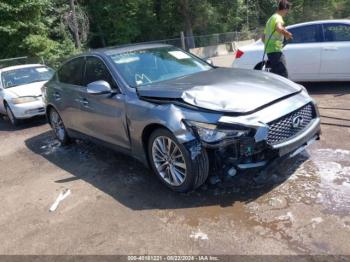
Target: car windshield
{"x":149,"y":66}
{"x":23,"y":76}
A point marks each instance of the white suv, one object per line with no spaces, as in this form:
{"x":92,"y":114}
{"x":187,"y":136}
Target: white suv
{"x":319,"y":51}
{"x":20,"y":91}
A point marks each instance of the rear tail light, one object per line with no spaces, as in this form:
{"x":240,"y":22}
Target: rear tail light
{"x":239,"y":53}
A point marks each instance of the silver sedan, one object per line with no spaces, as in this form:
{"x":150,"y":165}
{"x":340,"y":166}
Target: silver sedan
{"x":177,"y":114}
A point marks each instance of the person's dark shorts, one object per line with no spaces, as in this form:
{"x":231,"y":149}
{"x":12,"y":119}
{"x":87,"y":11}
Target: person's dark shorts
{"x":278,"y":64}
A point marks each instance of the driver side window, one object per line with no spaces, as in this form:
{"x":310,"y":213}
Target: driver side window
{"x":72,"y":72}
{"x":305,"y":34}
{"x":96,"y":70}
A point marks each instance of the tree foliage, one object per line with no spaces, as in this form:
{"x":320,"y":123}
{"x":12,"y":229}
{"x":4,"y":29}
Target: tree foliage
{"x":44,"y":29}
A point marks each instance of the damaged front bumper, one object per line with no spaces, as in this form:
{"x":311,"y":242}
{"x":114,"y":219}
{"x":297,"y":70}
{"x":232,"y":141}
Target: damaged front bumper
{"x":291,"y":147}
{"x":311,"y":133}
{"x":255,"y":152}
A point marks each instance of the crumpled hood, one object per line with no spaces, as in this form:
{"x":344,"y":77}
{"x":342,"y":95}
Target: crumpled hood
{"x":224,"y":89}
{"x":32,"y":89}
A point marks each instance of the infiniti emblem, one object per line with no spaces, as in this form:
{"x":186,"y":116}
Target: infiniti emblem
{"x":298,"y":121}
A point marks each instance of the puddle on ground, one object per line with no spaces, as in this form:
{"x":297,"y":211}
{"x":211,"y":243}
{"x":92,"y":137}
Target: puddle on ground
{"x":288,"y":204}
{"x":318,"y":187}
{"x":323,"y":179}
{"x":297,"y":203}
{"x":96,"y":159}
{"x":51,"y":146}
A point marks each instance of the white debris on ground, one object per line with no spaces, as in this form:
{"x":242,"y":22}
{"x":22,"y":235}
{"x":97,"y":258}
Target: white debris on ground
{"x":315,"y":221}
{"x":334,"y":172}
{"x":199,"y":235}
{"x":287,"y":217}
{"x":322,"y":178}
{"x":278,"y":202}
{"x":50,"y":147}
{"x":65,"y":193}
{"x":53,"y":146}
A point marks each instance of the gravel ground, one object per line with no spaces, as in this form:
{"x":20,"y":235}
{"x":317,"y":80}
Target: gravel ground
{"x":117,"y":206}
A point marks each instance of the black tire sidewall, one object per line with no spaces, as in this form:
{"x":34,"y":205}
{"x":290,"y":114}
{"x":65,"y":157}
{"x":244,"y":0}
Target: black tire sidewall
{"x":9,"y":111}
{"x":190,"y":179}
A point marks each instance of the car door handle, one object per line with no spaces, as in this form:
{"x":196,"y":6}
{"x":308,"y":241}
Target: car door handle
{"x":57,"y":96}
{"x":82,"y":101}
{"x":85,"y":102}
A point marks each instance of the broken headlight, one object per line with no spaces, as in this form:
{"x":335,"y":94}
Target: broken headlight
{"x":210,"y":133}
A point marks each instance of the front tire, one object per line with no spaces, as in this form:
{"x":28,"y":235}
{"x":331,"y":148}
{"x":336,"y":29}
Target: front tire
{"x":58,"y":127}
{"x":172,"y":162}
{"x":14,"y":121}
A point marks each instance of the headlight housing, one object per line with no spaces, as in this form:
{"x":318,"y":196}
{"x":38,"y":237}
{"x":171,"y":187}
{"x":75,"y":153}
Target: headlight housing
{"x":24,"y":99}
{"x":210,"y":133}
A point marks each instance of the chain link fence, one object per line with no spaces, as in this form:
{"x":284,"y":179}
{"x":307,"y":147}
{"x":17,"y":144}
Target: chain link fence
{"x":204,"y":46}
{"x":20,"y":61}
{"x":210,"y":45}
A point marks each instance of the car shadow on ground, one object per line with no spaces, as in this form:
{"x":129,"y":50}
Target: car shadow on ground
{"x":134,"y":186}
{"x":5,"y":124}
{"x":330,"y":88}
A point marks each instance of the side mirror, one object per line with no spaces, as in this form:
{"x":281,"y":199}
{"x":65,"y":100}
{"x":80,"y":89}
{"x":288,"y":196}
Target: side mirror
{"x":99,"y":88}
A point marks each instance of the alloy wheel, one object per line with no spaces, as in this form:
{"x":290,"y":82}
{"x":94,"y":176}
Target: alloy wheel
{"x":57,"y":125}
{"x":169,"y":161}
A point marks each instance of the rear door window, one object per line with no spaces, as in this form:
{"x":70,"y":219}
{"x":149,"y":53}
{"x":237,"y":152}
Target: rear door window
{"x":305,"y":34}
{"x":72,"y":72}
{"x":96,"y":70}
{"x":336,"y":32}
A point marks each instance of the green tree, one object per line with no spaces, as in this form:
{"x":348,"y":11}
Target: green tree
{"x":45,"y":28}
{"x":25,"y":30}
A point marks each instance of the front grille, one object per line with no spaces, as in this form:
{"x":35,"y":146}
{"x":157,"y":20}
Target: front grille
{"x":283,"y":129}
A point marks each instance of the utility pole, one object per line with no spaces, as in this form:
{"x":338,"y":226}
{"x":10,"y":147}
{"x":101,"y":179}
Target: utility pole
{"x":183,"y":43}
{"x":186,"y":13}
{"x":247,"y":5}
{"x":75,"y":25}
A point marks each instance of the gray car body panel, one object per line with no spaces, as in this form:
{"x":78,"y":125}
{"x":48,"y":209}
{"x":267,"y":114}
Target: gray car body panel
{"x":224,"y":89}
{"x":134,"y":115}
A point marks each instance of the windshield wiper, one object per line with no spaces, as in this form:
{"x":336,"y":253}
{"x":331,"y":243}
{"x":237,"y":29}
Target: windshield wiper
{"x":35,"y":81}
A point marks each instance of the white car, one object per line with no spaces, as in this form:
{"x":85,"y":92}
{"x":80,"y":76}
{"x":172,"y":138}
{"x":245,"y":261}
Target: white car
{"x":20,"y":91}
{"x":319,"y":51}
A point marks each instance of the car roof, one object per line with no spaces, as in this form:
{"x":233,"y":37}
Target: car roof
{"x":126,"y":48}
{"x":117,"y":50}
{"x":9,"y":68}
{"x":342,"y":21}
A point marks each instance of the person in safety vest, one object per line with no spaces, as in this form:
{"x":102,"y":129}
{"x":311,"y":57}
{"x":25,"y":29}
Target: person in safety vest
{"x":273,"y":37}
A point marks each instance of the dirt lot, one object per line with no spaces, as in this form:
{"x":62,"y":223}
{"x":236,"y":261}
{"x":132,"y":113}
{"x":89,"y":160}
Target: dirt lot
{"x":117,"y":206}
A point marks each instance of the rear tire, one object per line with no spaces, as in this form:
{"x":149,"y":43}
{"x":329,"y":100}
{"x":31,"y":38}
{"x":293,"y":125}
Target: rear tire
{"x":58,"y":127}
{"x":14,"y":121}
{"x":172,"y":162}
